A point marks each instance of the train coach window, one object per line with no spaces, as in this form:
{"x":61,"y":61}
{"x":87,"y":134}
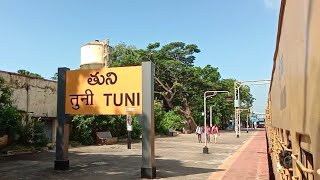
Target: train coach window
{"x":307,"y":161}
{"x":288,"y":137}
{"x":281,"y":133}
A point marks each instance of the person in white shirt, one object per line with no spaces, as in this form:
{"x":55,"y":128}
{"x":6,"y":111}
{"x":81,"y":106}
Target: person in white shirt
{"x":199,"y":133}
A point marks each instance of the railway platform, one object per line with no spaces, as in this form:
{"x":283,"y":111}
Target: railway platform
{"x":250,"y":162}
{"x":177,"y":158}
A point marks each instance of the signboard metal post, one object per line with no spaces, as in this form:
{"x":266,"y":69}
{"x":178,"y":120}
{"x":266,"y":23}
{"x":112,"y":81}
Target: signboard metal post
{"x":129,"y":129}
{"x":62,"y":139}
{"x":146,"y":119}
{"x":129,"y":139}
{"x":90,"y":91}
{"x":210,"y":116}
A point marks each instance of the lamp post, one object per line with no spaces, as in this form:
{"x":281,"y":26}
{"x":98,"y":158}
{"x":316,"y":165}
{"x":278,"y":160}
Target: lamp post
{"x":237,"y":103}
{"x":237,"y":86}
{"x":129,"y":129}
{"x":247,"y":122}
{"x":239,"y":113}
{"x":248,"y":117}
{"x":210,"y":116}
{"x":205,"y":96}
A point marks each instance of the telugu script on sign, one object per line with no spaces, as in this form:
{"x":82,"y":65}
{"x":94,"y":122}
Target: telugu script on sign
{"x":112,"y":91}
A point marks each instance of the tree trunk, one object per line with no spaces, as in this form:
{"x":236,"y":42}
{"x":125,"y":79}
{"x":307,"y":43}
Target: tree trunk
{"x":169,"y":101}
{"x":223,"y":121}
{"x":190,"y":125}
{"x":186,"y":112}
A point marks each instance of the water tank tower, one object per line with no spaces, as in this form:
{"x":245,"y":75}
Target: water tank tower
{"x":95,"y":55}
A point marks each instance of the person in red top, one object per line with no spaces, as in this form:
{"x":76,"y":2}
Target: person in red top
{"x":208,"y":129}
{"x":215,"y":132}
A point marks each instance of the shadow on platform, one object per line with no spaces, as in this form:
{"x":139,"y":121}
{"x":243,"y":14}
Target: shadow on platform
{"x":91,"y":166}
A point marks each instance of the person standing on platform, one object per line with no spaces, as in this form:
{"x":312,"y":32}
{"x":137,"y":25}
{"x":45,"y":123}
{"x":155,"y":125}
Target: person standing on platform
{"x":215,"y":132}
{"x":199,"y":133}
{"x":208,"y":129}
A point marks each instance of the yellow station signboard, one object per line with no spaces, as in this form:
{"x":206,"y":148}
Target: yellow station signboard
{"x":112,"y":91}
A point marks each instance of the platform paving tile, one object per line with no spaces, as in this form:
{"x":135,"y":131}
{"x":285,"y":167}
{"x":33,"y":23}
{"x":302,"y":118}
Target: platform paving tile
{"x":252,"y":163}
{"x":177,"y":157}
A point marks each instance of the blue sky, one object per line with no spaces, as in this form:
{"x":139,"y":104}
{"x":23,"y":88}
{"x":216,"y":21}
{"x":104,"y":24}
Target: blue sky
{"x":236,"y":36}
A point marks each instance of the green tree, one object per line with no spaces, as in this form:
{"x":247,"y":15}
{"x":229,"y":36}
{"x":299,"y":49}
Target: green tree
{"x":30,"y":74}
{"x":9,"y":115}
{"x":125,"y":55}
{"x":39,"y":136}
{"x":172,"y":120}
{"x":54,"y":77}
{"x":84,"y":127}
{"x":158,"y":117}
{"x":179,"y":83}
{"x":173,"y":65}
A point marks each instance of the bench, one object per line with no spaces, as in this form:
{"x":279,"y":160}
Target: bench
{"x":172,"y":132}
{"x":105,"y":138}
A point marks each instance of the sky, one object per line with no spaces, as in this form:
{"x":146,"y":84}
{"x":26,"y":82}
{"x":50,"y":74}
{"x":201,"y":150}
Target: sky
{"x":237,"y":36}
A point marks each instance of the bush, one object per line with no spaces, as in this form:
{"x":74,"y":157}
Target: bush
{"x":9,"y":115}
{"x":32,"y":134}
{"x":74,"y":144}
{"x":51,"y":146}
{"x":117,"y":125}
{"x":9,"y":121}
{"x":25,"y":134}
{"x":158,"y":117}
{"x":39,"y":137}
{"x":171,"y":120}
{"x":82,"y":129}
{"x":136,"y":128}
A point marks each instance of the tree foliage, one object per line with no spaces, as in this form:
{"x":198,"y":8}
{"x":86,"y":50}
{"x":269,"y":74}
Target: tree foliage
{"x":9,"y":116}
{"x":179,"y":90}
{"x":54,"y":77}
{"x":30,"y":74}
{"x":32,"y":133}
{"x":179,"y":83}
{"x":10,"y":122}
{"x":84,"y":127}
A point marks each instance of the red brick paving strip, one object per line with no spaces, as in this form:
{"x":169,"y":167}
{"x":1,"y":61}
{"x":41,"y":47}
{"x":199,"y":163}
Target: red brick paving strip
{"x":251,"y":163}
{"x":223,"y":168}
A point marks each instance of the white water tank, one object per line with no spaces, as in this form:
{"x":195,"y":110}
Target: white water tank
{"x":94,"y":53}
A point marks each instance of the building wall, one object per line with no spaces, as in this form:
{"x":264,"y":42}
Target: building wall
{"x":33,"y":96}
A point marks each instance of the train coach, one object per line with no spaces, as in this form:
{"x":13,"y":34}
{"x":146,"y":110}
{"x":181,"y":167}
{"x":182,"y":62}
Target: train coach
{"x":293,"y":110}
